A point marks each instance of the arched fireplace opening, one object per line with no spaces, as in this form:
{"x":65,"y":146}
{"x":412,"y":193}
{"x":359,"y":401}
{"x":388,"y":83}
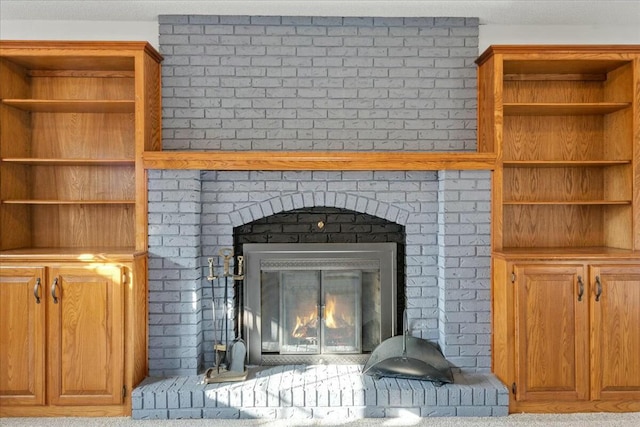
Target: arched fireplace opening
{"x":325,"y":248}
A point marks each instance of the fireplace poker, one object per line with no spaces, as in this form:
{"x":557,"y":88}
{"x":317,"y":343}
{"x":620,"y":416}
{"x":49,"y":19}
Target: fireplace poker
{"x":238,"y":351}
{"x":226,"y":254}
{"x":211,"y":277}
{"x":239,"y":278}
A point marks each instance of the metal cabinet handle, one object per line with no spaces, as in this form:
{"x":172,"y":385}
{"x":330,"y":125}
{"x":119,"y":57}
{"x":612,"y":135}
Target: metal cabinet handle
{"x":598,"y":288}
{"x":36,"y":291}
{"x":580,"y":288}
{"x":53,"y":290}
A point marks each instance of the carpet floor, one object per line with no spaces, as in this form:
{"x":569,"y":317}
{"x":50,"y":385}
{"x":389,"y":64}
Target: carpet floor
{"x":545,"y":420}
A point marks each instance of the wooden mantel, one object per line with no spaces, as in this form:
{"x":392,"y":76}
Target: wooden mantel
{"x":312,"y":160}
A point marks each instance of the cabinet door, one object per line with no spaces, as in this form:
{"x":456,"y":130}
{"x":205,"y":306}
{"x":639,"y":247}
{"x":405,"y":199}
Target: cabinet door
{"x":615,"y":303}
{"x":85,"y":335}
{"x":22,"y":335}
{"x":551,"y":333}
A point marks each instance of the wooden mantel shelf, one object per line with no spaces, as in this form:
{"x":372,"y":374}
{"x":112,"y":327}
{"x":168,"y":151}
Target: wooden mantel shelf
{"x":327,"y":160}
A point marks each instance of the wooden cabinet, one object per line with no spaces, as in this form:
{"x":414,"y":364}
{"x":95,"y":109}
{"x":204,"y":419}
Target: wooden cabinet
{"x":64,"y":337}
{"x":566,"y":334}
{"x":22,"y":316}
{"x":85,"y":335}
{"x":615,"y":332}
{"x":551,"y":332}
{"x":76,"y":324}
{"x":564,"y":124}
{"x":75,"y":118}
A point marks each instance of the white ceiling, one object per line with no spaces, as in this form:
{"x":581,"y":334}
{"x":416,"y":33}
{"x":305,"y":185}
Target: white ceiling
{"x":498,"y":12}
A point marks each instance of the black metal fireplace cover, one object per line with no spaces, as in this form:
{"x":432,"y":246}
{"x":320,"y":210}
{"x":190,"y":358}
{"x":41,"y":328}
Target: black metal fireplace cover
{"x":404,"y":356}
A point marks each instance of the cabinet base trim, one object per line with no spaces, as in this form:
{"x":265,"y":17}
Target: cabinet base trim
{"x":573,"y":407}
{"x":65,"y":411}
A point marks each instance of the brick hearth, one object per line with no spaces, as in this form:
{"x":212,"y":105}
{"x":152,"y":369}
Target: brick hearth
{"x":337,"y":392}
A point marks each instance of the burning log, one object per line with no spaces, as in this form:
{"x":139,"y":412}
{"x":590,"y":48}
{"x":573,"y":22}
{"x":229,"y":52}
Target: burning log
{"x":338,"y":324}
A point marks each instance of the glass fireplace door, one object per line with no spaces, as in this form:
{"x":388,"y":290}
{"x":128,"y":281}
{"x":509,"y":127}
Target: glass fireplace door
{"x":341,"y":312}
{"x":299,"y":312}
{"x":308,"y":303}
{"x":320,"y":312}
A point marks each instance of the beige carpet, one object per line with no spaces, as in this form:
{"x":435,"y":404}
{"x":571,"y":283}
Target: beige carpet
{"x":564,"y":420}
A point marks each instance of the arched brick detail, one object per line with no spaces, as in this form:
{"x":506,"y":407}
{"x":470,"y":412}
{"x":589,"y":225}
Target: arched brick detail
{"x":291,"y":201}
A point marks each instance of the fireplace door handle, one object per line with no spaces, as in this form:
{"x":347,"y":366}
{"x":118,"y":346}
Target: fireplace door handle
{"x":580,"y":288}
{"x":322,"y":311}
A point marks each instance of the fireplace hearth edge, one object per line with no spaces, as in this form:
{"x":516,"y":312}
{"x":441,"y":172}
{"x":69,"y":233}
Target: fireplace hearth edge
{"x":330,"y":392}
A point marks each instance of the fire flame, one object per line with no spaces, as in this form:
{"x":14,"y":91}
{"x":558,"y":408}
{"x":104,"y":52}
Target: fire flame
{"x":303,"y":323}
{"x":334,"y":319}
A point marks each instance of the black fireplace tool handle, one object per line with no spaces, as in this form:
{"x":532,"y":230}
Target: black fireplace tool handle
{"x":238,"y":282}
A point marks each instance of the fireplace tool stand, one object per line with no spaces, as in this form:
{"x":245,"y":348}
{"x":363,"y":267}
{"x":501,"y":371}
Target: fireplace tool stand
{"x":229,"y":359}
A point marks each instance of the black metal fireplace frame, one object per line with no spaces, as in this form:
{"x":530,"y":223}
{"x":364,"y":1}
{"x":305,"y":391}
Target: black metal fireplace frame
{"x":257,"y":253}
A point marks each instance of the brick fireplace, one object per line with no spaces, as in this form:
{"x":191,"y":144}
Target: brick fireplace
{"x":446,"y":219}
{"x":303,"y":83}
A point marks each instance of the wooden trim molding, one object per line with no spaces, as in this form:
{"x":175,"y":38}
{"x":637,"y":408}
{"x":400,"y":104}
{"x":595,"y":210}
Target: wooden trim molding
{"x":305,"y":160}
{"x":98,"y":48}
{"x":589,"y":50}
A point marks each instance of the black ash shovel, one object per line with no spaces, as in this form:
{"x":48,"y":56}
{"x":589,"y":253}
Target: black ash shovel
{"x":405,"y":356}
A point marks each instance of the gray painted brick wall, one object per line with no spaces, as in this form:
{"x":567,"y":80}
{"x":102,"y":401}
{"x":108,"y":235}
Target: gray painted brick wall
{"x":313,"y":83}
{"x":447,"y":258}
{"x":175,"y":302}
{"x":464,"y":259}
{"x":318,"y":83}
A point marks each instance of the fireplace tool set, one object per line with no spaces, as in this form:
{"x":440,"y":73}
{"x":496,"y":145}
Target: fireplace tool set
{"x":400,"y":356}
{"x":229,"y":357}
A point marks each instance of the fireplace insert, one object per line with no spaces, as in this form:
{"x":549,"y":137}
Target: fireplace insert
{"x":307,"y":303}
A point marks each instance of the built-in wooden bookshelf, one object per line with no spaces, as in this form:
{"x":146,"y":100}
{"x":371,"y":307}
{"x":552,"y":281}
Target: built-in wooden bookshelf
{"x":564,"y":123}
{"x":75,"y":118}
